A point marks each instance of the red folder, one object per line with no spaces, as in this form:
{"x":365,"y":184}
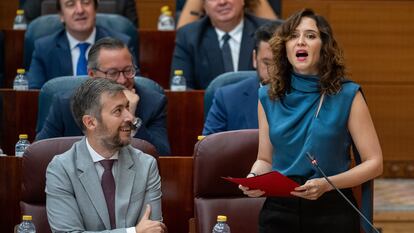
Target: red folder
{"x":273,"y":183}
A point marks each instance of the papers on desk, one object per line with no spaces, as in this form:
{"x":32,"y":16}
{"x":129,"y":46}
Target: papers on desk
{"x":273,"y":183}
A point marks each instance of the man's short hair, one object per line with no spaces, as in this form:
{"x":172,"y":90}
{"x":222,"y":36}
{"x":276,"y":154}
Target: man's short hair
{"x":104,"y":43}
{"x":59,"y":7}
{"x":87,"y":98}
{"x":265,"y":32}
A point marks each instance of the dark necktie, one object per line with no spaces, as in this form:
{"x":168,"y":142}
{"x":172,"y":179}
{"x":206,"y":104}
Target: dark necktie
{"x":108,"y":187}
{"x":82,"y":62}
{"x":226,"y":52}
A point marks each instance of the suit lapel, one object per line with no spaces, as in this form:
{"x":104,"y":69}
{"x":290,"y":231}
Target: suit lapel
{"x":125,"y":180}
{"x":247,"y":46}
{"x":65,"y":56}
{"x":90,"y":181}
{"x":213,"y":51}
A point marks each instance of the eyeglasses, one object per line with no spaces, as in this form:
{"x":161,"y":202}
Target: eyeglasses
{"x":113,"y":74}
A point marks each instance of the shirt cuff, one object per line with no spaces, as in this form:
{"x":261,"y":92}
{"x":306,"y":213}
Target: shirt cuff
{"x":131,"y":230}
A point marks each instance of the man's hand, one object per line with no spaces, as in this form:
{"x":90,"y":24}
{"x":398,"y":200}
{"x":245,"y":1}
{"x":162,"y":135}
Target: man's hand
{"x":133,"y":99}
{"x":148,"y":226}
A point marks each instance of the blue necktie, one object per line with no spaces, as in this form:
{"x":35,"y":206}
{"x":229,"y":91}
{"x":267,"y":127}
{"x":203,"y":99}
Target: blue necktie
{"x":82,"y":62}
{"x":226,"y":52}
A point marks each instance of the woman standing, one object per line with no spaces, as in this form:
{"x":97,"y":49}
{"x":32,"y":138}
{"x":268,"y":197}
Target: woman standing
{"x":309,"y":107}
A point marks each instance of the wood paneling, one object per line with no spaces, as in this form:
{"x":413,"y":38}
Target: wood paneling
{"x":19,"y":116}
{"x":13,"y":54}
{"x":156,"y":49}
{"x":392,"y":110}
{"x":185,"y":120}
{"x":7,"y":13}
{"x":10,"y":183}
{"x":148,"y":12}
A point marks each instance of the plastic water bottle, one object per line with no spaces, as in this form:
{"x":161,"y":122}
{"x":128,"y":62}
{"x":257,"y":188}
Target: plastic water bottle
{"x":21,"y":145}
{"x":19,"y":21}
{"x":1,"y":152}
{"x":166,"y":21}
{"x":178,"y":82}
{"x":20,"y":82}
{"x":26,"y":226}
{"x":221,"y":225}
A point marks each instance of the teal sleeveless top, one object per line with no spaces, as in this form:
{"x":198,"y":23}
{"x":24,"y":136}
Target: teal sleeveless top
{"x":297,"y":127}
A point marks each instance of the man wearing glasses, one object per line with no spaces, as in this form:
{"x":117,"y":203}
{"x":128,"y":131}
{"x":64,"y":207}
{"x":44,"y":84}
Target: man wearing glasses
{"x":65,"y":52}
{"x":110,"y":58}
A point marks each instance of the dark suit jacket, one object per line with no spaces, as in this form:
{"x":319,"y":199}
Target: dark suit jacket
{"x":127,"y":8}
{"x":234,"y":107}
{"x":52,"y":57}
{"x":151,"y":109}
{"x":74,"y":198}
{"x":197,"y":51}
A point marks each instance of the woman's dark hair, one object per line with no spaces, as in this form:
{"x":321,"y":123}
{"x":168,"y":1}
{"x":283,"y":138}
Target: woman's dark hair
{"x":331,"y":65}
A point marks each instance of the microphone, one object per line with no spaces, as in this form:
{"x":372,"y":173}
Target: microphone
{"x":315,"y":164}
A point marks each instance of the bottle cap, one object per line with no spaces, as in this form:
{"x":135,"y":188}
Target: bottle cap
{"x":169,"y":13}
{"x":221,"y":218}
{"x":21,"y":71}
{"x":23,"y":136}
{"x":20,"y":12}
{"x":165,"y":8}
{"x":200,"y":137}
{"x":178,"y":72}
{"x":27,"y":217}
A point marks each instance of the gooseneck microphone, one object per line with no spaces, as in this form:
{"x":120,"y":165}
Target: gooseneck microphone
{"x":315,"y":164}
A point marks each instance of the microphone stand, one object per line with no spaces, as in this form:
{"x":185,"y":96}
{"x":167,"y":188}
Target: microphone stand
{"x":315,"y":164}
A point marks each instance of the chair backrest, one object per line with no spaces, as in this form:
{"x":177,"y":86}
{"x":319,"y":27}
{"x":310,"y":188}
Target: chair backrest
{"x":34,"y":164}
{"x":220,"y":81}
{"x":48,"y":24}
{"x":230,"y":153}
{"x":63,"y":84}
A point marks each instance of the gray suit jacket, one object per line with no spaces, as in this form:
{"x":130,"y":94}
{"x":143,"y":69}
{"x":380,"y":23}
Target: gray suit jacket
{"x":74,"y":198}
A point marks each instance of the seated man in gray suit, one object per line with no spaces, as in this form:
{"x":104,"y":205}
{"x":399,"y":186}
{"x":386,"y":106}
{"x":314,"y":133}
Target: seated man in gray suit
{"x":65,"y":52}
{"x":235,"y":106}
{"x":220,"y":42}
{"x":102,"y":183}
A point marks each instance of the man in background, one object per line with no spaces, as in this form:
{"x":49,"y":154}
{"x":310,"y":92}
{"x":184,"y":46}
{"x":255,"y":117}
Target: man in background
{"x":220,"y":42}
{"x":102,"y":183}
{"x":127,"y":8}
{"x":235,"y":106}
{"x":65,"y":52}
{"x":110,"y":58}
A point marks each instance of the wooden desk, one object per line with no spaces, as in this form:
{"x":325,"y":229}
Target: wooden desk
{"x":156,"y":48}
{"x":185,"y":118}
{"x":176,"y":178}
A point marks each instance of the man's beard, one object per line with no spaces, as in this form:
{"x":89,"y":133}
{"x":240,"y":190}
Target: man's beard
{"x":112,"y":142}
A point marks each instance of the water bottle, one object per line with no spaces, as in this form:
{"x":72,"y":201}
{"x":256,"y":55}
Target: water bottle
{"x":20,"y":82}
{"x":166,"y":21}
{"x":26,"y":226}
{"x":178,"y":82}
{"x":19,"y":21}
{"x":221,"y":225}
{"x":21,"y":145}
{"x":1,"y":152}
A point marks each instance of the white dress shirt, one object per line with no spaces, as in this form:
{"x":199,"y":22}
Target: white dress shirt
{"x":234,"y":42}
{"x":74,"y":49}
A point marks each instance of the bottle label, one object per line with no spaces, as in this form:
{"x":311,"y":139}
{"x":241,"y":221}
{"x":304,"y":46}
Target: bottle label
{"x":19,"y":26}
{"x":19,"y":154}
{"x":178,"y":88}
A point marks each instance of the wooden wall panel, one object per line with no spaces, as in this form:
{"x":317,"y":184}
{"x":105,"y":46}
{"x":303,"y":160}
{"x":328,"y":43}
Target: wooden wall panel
{"x":149,"y":10}
{"x":7,"y":13}
{"x":392,"y":110}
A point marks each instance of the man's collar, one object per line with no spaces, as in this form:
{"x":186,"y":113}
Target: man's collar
{"x":73,"y":42}
{"x":235,"y":34}
{"x":97,"y":157}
